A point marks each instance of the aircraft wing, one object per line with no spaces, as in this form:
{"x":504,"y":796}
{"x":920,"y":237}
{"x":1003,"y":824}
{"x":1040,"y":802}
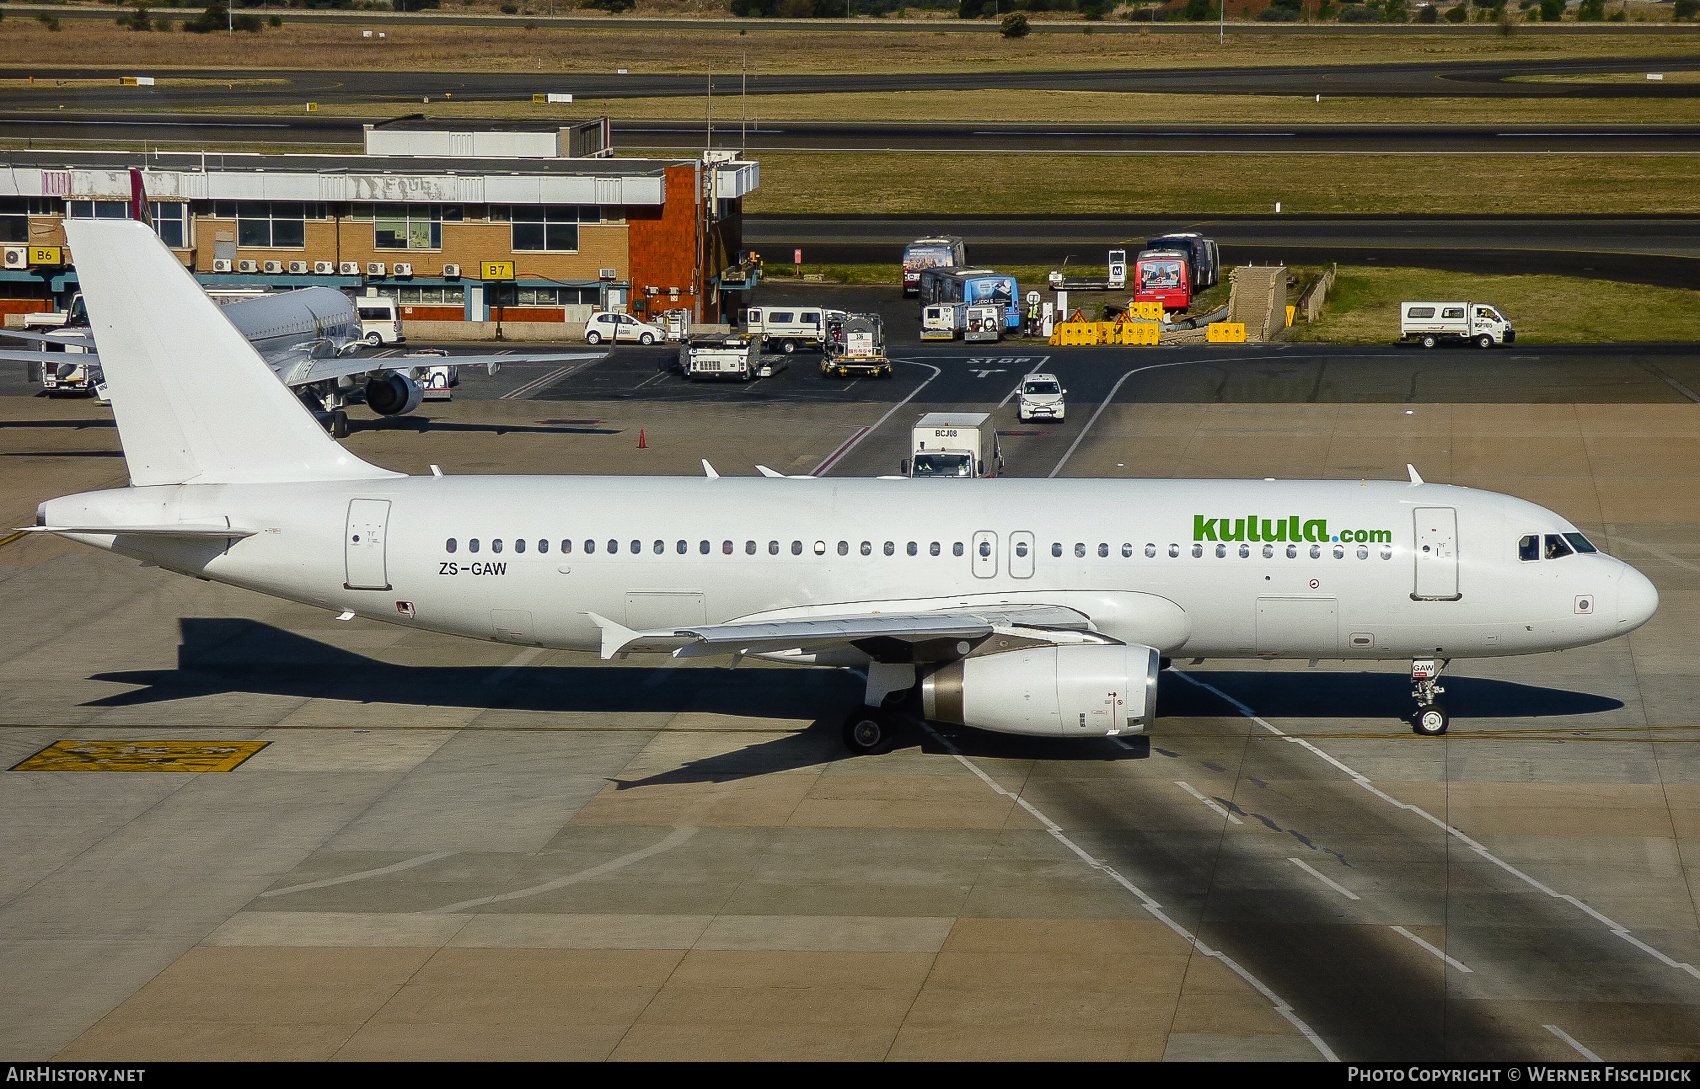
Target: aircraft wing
{"x":73,"y":337}
{"x":306,"y":371}
{"x":24,"y":355}
{"x":886,"y":636}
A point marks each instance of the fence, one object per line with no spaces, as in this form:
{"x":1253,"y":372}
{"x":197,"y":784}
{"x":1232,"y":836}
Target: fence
{"x":1310,"y":303}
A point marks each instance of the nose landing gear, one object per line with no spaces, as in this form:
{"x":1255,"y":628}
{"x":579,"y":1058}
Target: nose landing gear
{"x":1430,"y":719}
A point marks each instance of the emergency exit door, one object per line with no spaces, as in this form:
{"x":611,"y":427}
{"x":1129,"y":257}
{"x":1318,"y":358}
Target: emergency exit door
{"x":985,"y":554}
{"x":1436,"y":554}
{"x":363,"y":544}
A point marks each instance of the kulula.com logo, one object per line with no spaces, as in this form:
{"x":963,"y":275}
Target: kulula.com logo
{"x":1290,"y":528}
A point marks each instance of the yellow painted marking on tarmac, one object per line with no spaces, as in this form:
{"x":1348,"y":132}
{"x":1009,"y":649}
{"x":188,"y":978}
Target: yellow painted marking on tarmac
{"x":10,"y":537}
{"x":142,"y":756}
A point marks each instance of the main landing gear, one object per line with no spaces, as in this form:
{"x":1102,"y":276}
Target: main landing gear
{"x":1430,"y":719}
{"x":878,"y":725}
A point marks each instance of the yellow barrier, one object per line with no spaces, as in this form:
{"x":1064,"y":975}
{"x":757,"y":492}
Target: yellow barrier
{"x":1225,"y":332}
{"x":1138,"y":332}
{"x":1147,"y":311}
{"x":1075,"y":332}
{"x":1290,"y":311}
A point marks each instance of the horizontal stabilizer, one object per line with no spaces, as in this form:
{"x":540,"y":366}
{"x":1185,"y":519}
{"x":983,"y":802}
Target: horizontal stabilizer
{"x":26,"y":355}
{"x":178,"y":529}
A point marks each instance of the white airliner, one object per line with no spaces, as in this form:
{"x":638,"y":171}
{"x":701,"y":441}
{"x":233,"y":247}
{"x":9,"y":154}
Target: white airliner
{"x":309,"y":339}
{"x":1034,"y":607}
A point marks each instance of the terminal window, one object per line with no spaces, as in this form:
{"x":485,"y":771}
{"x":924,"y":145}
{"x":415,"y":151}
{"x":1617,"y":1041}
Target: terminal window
{"x":170,"y":218}
{"x":269,"y":224}
{"x":546,"y":228}
{"x":411,"y":226}
{"x":15,"y":215}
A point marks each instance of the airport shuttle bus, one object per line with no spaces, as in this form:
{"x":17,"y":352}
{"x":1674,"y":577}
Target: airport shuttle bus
{"x":925,"y":253}
{"x":1024,"y":606}
{"x":1201,"y":253}
{"x":973,"y":287}
{"x":1163,"y":276}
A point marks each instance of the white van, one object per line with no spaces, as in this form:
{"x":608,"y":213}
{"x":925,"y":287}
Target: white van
{"x":613,"y":328}
{"x":380,"y":320}
{"x":1041,"y":395}
{"x":787,"y":328}
{"x":1428,"y":323}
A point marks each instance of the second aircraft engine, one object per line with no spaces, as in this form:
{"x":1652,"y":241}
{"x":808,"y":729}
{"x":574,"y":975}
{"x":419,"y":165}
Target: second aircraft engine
{"x":393,"y":394}
{"x":1090,"y":690}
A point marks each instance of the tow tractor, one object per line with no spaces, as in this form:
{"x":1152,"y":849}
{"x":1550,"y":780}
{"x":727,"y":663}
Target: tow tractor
{"x":727,"y":355}
{"x":854,"y":347}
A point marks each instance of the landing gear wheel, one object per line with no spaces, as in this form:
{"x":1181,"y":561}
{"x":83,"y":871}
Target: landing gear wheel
{"x":869,"y":731}
{"x":1430,"y":720}
{"x":339,"y":424}
{"x":1430,"y":341}
{"x":1484,"y":341}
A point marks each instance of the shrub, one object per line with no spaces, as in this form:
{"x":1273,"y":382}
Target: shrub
{"x":1393,"y":11}
{"x":1326,"y":9}
{"x":1591,"y":11}
{"x":1199,"y":10}
{"x":1014,"y":25}
{"x":1457,"y":14}
{"x":275,"y":21}
{"x":510,"y":9}
{"x":1552,"y":11}
{"x":1686,"y":9}
{"x":1093,"y":11}
{"x":1428,"y":13}
{"x":1274,"y":14}
{"x":1352,"y":13}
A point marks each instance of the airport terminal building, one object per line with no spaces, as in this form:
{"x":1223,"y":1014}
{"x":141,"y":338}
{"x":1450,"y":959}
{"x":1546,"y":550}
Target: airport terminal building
{"x":458,"y":226}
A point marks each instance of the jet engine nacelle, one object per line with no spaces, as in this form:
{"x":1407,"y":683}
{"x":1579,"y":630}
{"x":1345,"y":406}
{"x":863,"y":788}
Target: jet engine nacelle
{"x":393,"y":394}
{"x":1090,"y":690}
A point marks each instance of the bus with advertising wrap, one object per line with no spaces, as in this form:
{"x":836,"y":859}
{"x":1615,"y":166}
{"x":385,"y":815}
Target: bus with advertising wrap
{"x":946,"y":251}
{"x":973,"y":287}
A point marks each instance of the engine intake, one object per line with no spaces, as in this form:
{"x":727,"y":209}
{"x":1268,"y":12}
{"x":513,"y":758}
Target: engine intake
{"x":1091,"y":690}
{"x":393,"y":394}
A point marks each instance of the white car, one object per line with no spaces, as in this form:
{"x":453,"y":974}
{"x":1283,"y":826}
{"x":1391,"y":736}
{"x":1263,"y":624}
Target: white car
{"x":613,"y":328}
{"x":1041,"y":395}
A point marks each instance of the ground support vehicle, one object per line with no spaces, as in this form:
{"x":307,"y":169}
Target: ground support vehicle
{"x":941,"y":321}
{"x":1430,"y":323}
{"x":68,"y":368}
{"x":925,"y":253}
{"x":1163,"y":276}
{"x":855,"y":348}
{"x":973,"y":286}
{"x":784,"y":329}
{"x":984,"y":323}
{"x":953,"y":444}
{"x":380,"y":320}
{"x":733,"y":356}
{"x":1203,"y":259}
{"x":1039,"y":398}
{"x":607,"y":327}
{"x":436,"y":379}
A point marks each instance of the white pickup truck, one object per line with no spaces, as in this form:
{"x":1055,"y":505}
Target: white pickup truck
{"x":787,"y":328}
{"x":1429,"y":323}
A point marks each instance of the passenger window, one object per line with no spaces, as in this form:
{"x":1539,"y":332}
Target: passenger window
{"x":1420,"y":312}
{"x":985,"y":549}
{"x":702,"y":548}
{"x":496,"y":545}
{"x":681,"y":547}
{"x":1020,"y":549}
{"x":867,"y":548}
{"x":1557,"y":546}
{"x":778,"y":316}
{"x":1268,"y":551}
{"x":956,"y":549}
{"x":773,"y":548}
{"x":1174,"y":551}
{"x":613,"y":547}
{"x":659,"y":548}
{"x":566,"y":547}
{"x":1103,"y":551}
{"x":1245,"y":552}
{"x":820,"y":548}
{"x":1221,"y":551}
{"x":637,"y":547}
{"x":1580,"y":543}
{"x":450,"y":546}
{"x":1056,"y":548}
{"x":1197,"y":551}
{"x":1363,"y":553}
{"x":749,"y":548}
{"x":1386,"y":552}
{"x":1150,"y":550}
{"x":808,"y":316}
{"x":843,"y":547}
{"x":1316,"y":552}
{"x":913,"y":549}
{"x":589,"y":547}
{"x":1452,"y":312}
{"x":1292,"y":552}
{"x":542,"y":545}
{"x":796,"y":548}
{"x":890,"y":548}
{"x":1079,"y":550}
{"x":519,"y":545}
{"x":726,"y":548}
{"x":1339,"y":552}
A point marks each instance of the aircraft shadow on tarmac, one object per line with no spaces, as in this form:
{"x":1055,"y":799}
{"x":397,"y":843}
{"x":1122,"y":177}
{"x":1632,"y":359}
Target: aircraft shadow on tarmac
{"x":221,"y":656}
{"x":423,"y":424}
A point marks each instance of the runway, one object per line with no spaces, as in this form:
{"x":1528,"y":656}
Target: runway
{"x":459,"y":850}
{"x":67,"y":129}
{"x":1427,"y":79}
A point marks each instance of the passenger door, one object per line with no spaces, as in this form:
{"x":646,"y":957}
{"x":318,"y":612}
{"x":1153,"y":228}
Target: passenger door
{"x":1436,"y":554}
{"x":985,"y":554}
{"x":1021,"y":548}
{"x":364,"y":546}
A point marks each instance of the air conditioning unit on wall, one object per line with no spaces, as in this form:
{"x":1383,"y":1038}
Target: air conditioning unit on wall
{"x":273,"y":268}
{"x":402,"y":268}
{"x":17,"y":257}
{"x":451,"y":272}
{"x":246,"y":265}
{"x":221,"y":264}
{"x":323,"y":268}
{"x":298,"y":268}
{"x":374,"y":268}
{"x":349,"y":268}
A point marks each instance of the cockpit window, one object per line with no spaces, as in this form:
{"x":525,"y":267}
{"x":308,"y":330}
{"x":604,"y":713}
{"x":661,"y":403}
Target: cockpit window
{"x":1557,"y":546}
{"x":1529,"y":548}
{"x":1580,"y":543}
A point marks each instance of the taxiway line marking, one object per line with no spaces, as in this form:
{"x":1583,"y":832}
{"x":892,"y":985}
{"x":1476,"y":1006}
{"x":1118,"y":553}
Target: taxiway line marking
{"x":856,"y":439}
{"x":1144,"y":898}
{"x":10,"y":537}
{"x":1363,"y":781}
{"x":1220,"y":812}
{"x":672,"y":840}
{"x":512,"y":666}
{"x":360,"y":876}
{"x":1436,"y":950}
{"x":1325,"y":879}
{"x":539,"y":384}
{"x":1574,"y":1043}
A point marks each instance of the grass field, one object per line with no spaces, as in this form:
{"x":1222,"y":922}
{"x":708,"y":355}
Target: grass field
{"x":1364,"y":308}
{"x":1191,"y":184}
{"x":769,"y":48}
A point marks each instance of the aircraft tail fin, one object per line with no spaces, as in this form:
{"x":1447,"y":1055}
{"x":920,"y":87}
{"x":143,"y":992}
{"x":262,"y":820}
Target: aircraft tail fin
{"x":195,"y":402}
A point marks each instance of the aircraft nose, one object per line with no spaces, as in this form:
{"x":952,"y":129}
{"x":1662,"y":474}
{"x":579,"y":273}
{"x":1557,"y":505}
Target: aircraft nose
{"x":1637,"y":600}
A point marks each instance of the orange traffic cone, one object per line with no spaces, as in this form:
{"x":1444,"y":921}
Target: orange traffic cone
{"x":642,"y":445}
